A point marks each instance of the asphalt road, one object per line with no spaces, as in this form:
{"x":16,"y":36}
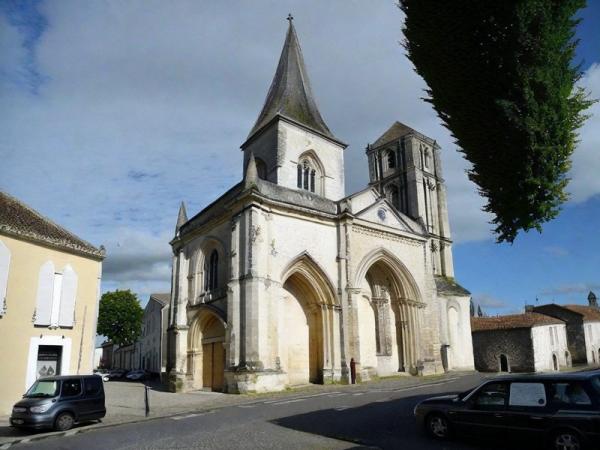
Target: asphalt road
{"x":360,"y":417}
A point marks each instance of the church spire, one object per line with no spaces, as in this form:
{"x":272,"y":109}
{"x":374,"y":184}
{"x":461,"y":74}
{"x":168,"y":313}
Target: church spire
{"x":181,"y":217}
{"x":290,"y":94}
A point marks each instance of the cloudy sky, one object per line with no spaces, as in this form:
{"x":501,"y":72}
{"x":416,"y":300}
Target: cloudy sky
{"x":115,"y":111}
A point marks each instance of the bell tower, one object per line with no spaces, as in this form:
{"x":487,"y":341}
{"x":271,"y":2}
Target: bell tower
{"x":291,"y":144}
{"x":405,"y":167}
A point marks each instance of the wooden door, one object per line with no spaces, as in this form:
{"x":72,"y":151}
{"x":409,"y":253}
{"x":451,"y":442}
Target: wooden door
{"x":213,"y":365}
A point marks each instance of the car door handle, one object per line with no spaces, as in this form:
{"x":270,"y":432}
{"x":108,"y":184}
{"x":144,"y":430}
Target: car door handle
{"x":498,"y":415}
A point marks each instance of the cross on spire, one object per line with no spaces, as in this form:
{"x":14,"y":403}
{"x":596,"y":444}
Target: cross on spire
{"x":290,"y":18}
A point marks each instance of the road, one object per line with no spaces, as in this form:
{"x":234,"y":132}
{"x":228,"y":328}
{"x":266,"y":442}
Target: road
{"x":366,"y":416}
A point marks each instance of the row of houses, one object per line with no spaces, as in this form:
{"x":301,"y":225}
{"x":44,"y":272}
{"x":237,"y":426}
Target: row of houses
{"x":544,"y":338}
{"x":149,"y":352}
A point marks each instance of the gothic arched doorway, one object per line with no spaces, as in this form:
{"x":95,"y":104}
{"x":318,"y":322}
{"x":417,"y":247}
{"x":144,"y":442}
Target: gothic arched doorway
{"x":206,"y":354}
{"x":302,"y":340}
{"x":387,"y":343}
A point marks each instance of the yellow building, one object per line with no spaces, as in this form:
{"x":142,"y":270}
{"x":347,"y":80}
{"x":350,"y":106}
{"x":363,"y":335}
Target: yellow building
{"x":49,"y":293}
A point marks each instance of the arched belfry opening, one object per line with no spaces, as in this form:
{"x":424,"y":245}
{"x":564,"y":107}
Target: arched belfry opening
{"x":206,"y":350}
{"x":387,"y":316}
{"x":308,"y":314}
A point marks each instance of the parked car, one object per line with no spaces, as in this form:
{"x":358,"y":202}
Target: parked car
{"x":116,"y":374}
{"x":562,"y":410}
{"x":60,"y":402}
{"x":137,"y":375}
{"x":103,"y":373}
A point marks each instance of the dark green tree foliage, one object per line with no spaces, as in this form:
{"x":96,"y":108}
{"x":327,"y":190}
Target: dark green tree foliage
{"x":120,"y":317}
{"x":472,"y":308}
{"x":500,"y":76}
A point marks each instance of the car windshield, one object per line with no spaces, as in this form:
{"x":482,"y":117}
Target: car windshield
{"x":43,"y":388}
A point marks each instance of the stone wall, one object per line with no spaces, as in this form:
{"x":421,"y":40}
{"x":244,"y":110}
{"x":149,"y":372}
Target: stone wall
{"x":516,"y":344}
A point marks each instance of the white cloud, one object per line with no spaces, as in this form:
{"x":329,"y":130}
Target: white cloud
{"x":585,"y":181}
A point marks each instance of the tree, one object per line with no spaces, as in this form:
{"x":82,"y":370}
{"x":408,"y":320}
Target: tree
{"x":500,"y":76}
{"x":479,"y":311}
{"x":120,"y":317}
{"x":472,"y":308}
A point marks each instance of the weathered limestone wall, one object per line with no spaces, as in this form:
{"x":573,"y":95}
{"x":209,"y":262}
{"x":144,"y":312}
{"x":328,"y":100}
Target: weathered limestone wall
{"x":549,"y":340}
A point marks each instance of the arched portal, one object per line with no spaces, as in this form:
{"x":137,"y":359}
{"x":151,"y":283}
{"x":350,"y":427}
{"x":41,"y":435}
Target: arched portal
{"x":303,"y":332}
{"x":308,"y":323}
{"x":206,"y":354}
{"x":504,"y":363}
{"x":389,"y":344}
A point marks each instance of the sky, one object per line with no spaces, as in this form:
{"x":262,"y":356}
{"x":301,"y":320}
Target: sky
{"x":113,"y":112}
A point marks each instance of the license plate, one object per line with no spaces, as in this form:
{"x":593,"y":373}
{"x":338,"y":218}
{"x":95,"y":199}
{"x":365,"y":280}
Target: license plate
{"x":18,"y":421}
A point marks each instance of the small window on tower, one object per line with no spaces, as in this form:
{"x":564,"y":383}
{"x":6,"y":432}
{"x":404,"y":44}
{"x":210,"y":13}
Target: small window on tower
{"x":391,"y":160}
{"x":309,"y":175}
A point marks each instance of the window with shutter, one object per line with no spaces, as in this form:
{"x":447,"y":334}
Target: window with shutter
{"x":43,"y":304}
{"x":4,"y":266}
{"x":67,"y":298}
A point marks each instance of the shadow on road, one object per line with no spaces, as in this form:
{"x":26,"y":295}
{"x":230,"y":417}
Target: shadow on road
{"x":388,"y":425}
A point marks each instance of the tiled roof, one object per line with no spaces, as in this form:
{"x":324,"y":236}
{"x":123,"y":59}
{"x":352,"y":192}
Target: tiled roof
{"x":526,"y":320}
{"x":163,"y":299}
{"x":589,"y":313}
{"x":20,"y":220}
{"x":448,"y":286}
{"x":393,"y":133}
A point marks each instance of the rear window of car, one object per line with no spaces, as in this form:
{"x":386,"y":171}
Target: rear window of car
{"x":568,"y":394}
{"x":93,"y":385}
{"x":71,"y":388}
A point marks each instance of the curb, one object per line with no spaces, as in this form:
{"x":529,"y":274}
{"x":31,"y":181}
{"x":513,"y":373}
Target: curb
{"x":100,"y":425}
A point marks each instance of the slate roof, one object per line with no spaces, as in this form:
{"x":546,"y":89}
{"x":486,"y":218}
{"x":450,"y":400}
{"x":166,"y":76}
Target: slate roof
{"x":393,"y":133}
{"x":163,"y":299}
{"x":527,"y":320}
{"x":290,"y":94}
{"x":19,"y":220}
{"x":448,"y":286}
{"x":589,"y":313}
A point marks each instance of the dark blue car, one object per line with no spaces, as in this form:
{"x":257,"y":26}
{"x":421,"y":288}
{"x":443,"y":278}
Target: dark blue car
{"x":60,"y":402}
{"x":560,"y":410}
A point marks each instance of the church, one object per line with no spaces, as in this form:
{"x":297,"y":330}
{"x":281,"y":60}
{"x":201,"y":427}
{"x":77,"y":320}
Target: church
{"x":285,"y":280}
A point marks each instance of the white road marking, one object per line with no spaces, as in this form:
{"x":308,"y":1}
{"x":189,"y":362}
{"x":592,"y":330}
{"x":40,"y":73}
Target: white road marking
{"x":289,"y":401}
{"x":247,"y":406}
{"x":71,"y":432}
{"x":337,"y":394}
{"x":189,"y":416}
{"x":5,"y":446}
{"x":359,"y":393}
{"x":301,"y":397}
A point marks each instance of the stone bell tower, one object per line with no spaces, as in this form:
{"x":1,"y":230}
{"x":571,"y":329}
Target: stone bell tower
{"x":405,"y":167}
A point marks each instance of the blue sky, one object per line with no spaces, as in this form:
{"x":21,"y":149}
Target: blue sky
{"x":115,"y":111}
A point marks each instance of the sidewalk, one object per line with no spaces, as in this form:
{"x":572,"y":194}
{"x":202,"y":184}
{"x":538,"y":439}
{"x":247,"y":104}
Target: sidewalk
{"x":125,"y":403}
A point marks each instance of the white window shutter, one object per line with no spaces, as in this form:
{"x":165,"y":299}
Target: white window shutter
{"x":67,"y":297}
{"x":4,"y":266}
{"x":43,"y":305}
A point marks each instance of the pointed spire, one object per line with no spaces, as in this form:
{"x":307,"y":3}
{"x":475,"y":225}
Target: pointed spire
{"x":251,"y":175}
{"x":290,"y":94}
{"x":181,"y":217}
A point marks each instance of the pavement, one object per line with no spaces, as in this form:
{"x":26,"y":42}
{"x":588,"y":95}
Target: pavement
{"x":125,"y":404}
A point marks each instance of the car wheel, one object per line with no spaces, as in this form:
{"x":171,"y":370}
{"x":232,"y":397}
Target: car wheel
{"x":437,"y":426}
{"x":566,"y":440}
{"x":64,"y":422}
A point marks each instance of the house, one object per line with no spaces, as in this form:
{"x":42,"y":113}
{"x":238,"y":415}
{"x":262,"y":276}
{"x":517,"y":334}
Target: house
{"x":583,"y":328}
{"x":285,"y":280}
{"x":153,"y":341}
{"x":529,"y":342}
{"x":49,"y":293}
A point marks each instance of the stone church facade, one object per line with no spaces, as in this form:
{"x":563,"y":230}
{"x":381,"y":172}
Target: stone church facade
{"x":284,"y":280}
